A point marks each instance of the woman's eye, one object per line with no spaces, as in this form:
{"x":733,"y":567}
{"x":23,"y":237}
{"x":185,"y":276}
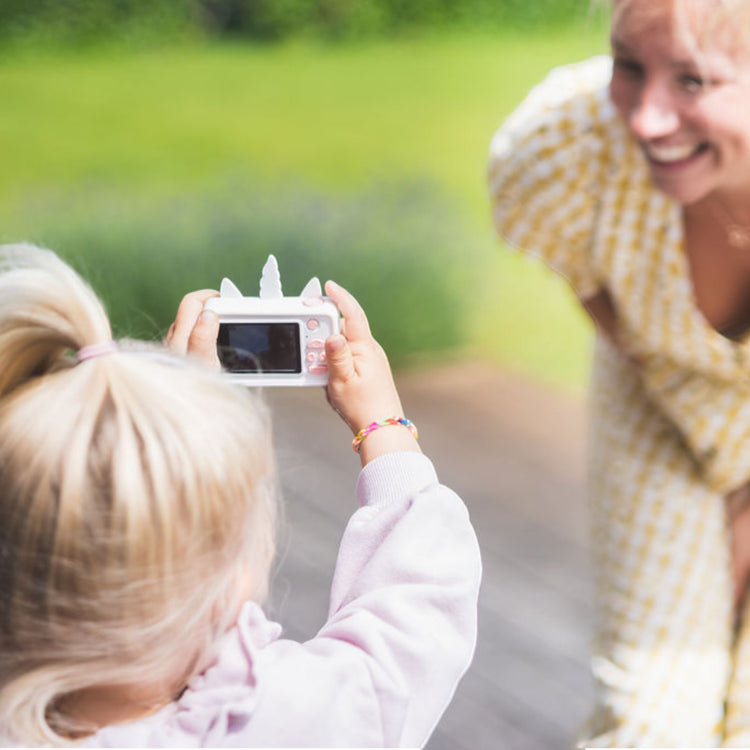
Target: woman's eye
{"x":696,"y":84}
{"x":693,"y":83}
{"x":631,"y":67}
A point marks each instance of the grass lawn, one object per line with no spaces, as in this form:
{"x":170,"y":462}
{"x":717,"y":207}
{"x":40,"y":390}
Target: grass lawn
{"x":108,"y":145}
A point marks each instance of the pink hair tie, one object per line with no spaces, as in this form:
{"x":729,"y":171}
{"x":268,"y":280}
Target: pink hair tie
{"x":96,"y":350}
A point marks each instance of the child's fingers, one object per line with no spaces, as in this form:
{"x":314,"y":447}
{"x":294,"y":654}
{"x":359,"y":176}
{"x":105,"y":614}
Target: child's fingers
{"x":355,"y":320}
{"x":202,"y":340}
{"x":188,"y":312}
{"x":339,"y":359}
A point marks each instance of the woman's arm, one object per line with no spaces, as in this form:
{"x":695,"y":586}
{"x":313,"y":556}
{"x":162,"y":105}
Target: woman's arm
{"x":602,"y":312}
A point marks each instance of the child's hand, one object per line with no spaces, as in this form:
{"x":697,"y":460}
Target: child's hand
{"x":195,"y":330}
{"x":360,"y":384}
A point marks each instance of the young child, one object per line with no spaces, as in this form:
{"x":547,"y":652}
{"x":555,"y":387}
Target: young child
{"x":136,"y":536}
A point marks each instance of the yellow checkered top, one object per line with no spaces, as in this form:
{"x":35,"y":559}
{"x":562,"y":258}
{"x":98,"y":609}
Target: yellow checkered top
{"x":569,"y":186}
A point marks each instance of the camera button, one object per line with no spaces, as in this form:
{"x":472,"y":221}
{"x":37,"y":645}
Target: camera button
{"x":318,"y":369}
{"x":311,"y":357}
{"x":316,"y":344}
{"x":313,"y":324}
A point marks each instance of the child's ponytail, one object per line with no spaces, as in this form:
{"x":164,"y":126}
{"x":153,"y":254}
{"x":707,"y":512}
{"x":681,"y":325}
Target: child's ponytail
{"x":46,"y":310}
{"x":137,"y":506}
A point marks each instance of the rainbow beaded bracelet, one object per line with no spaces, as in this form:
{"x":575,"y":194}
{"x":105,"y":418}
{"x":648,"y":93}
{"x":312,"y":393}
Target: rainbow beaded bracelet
{"x":365,"y":431}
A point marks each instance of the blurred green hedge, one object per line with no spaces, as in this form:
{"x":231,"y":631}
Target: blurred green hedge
{"x":400,"y":247}
{"x":91,"y":21}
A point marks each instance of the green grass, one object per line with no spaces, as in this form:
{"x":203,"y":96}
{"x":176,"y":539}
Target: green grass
{"x":157,"y":154}
{"x":339,"y":116}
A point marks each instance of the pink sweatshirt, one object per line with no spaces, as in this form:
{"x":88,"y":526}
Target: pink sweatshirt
{"x":400,"y":634}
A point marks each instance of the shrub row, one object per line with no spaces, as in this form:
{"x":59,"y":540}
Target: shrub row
{"x":91,"y":21}
{"x":394,"y":245}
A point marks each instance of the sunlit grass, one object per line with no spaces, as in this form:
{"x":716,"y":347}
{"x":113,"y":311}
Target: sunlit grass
{"x":338,"y":116}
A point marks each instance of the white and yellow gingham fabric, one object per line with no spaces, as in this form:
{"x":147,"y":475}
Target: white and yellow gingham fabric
{"x":668,"y":438}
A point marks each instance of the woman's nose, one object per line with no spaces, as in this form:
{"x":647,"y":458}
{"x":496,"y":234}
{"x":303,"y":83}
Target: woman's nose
{"x":655,"y":113}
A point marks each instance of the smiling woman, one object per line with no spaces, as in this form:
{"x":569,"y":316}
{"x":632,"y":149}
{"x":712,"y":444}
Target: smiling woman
{"x":682,"y":96}
{"x":630,"y":176}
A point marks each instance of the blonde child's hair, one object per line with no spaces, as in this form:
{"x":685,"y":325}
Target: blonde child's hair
{"x":137,"y":504}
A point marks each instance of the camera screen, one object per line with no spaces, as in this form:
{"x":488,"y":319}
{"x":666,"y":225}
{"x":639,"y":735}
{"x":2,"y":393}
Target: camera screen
{"x":259,"y":347}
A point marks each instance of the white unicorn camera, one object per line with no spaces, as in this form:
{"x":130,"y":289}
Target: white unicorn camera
{"x":272,"y":339}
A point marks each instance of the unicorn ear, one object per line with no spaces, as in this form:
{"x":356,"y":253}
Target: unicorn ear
{"x":270,"y":281}
{"x":312,"y":288}
{"x":228,"y":289}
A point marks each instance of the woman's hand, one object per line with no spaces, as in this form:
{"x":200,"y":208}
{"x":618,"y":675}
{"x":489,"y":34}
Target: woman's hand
{"x":738,"y":515}
{"x":360,"y":383}
{"x":195,"y":330}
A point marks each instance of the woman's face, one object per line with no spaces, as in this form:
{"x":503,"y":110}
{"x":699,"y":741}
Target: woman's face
{"x":684,"y":98}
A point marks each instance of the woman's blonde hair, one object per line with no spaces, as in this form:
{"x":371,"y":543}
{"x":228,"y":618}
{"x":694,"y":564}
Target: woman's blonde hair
{"x":729,"y":22}
{"x":137,"y":503}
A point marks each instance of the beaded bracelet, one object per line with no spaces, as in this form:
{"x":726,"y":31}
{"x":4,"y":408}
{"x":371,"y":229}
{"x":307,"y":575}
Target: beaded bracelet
{"x":365,"y":431}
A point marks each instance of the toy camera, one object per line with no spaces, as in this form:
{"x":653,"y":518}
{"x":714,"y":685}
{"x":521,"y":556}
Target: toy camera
{"x":271,"y":339}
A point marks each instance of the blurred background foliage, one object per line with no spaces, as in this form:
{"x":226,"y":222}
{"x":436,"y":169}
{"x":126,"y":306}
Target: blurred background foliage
{"x":81,"y":21}
{"x":162,"y":144}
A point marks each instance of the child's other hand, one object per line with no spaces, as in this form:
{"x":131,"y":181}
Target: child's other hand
{"x":360,"y":384}
{"x":195,"y":330}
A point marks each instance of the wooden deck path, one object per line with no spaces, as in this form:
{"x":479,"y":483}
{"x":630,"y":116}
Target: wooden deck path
{"x":514,"y":452}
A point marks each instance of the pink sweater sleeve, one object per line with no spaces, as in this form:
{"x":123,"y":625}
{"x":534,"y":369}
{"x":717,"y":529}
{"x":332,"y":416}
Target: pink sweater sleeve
{"x":405,"y":592}
{"x":400,"y":634}
{"x":402,"y":621}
